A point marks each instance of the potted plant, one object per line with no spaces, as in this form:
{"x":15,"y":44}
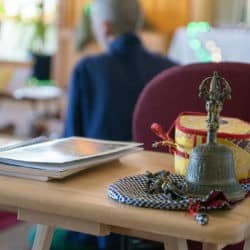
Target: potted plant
{"x":41,"y":59}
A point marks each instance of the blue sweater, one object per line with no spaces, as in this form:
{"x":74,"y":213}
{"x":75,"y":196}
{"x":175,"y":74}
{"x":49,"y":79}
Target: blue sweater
{"x":104,"y":89}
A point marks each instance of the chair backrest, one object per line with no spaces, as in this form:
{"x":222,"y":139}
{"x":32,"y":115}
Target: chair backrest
{"x":176,"y":90}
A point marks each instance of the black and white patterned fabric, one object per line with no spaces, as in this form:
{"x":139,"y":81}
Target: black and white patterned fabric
{"x":133,"y":191}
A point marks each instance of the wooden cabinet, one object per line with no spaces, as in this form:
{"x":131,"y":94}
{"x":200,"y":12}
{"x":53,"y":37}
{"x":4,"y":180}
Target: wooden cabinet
{"x":203,"y":10}
{"x":69,"y":12}
{"x":163,"y":15}
{"x":166,"y":15}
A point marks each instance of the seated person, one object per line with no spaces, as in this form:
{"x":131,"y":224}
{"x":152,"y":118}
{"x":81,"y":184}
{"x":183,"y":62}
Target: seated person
{"x":104,"y":88}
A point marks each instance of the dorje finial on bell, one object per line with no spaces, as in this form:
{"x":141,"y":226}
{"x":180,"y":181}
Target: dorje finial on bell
{"x":211,"y":165}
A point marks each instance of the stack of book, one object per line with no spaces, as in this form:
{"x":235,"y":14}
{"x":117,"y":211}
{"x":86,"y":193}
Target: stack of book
{"x":59,"y":158}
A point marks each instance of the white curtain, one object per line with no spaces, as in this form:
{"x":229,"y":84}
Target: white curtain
{"x":231,"y":12}
{"x":248,"y":12}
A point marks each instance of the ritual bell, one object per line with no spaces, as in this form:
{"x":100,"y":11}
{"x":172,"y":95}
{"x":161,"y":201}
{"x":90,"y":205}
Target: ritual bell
{"x":211,"y":165}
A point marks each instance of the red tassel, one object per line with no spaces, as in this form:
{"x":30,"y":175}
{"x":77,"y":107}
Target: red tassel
{"x":193,"y":209}
{"x":167,"y":141}
{"x":158,"y":130}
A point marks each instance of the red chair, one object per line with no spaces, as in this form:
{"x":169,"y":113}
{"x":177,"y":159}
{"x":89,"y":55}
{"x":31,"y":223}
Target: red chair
{"x":176,"y":90}
{"x":7,"y":220}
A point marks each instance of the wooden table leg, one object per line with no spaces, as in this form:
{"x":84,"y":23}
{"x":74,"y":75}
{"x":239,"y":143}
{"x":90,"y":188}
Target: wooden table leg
{"x":43,"y":237}
{"x":172,"y":243}
{"x":247,"y":244}
{"x":208,"y":246}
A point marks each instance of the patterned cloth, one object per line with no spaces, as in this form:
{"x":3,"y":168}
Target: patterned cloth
{"x":133,"y":191}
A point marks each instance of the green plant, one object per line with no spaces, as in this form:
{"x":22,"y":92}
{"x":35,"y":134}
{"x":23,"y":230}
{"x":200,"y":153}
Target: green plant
{"x":38,"y":40}
{"x":2,"y":9}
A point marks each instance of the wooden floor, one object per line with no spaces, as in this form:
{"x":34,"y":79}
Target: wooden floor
{"x":15,"y":238}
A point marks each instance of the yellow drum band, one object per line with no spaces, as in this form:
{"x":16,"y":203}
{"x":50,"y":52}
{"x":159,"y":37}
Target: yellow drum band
{"x":190,"y":131}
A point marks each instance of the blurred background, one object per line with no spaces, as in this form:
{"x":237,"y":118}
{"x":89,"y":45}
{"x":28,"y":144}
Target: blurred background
{"x":40,"y":41}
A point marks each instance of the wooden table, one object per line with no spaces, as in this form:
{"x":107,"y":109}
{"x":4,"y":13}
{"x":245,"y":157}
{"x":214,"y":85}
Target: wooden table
{"x":80,"y":203}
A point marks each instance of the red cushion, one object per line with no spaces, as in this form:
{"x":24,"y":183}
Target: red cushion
{"x":176,"y":90}
{"x":7,"y":220}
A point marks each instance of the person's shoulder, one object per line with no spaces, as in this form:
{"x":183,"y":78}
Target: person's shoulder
{"x":160,"y":59}
{"x":92,"y":60}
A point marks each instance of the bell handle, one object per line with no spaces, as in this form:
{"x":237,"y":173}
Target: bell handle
{"x":215,"y":90}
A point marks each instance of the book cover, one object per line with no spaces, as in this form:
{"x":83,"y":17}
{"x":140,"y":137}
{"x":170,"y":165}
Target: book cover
{"x":61,"y":157}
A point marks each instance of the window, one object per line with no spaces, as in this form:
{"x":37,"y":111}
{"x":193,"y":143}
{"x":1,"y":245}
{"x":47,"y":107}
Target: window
{"x":21,"y":22}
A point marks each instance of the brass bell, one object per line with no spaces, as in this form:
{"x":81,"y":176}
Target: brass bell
{"x":211,"y":165}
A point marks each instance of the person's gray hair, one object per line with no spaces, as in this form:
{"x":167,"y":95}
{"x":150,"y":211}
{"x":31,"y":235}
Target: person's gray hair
{"x":124,"y":15}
